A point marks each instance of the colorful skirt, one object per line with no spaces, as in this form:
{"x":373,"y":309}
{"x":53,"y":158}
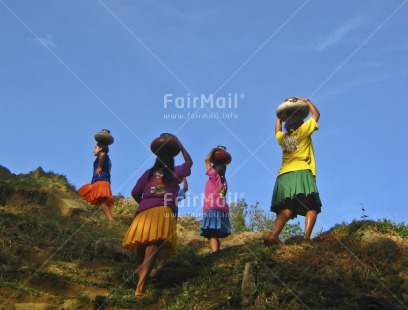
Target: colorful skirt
{"x":97,"y":193}
{"x":152,"y":226}
{"x":216,"y":224}
{"x":296,"y":191}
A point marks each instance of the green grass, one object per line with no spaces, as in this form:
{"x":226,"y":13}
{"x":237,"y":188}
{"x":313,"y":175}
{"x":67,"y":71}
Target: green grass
{"x":357,"y":228}
{"x":19,"y":287}
{"x":359,"y":258}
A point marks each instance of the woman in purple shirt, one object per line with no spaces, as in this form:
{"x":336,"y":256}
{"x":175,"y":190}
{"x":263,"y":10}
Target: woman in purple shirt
{"x":154,"y":226}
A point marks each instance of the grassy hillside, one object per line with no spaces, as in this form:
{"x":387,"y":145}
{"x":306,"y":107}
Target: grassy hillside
{"x":58,"y":252}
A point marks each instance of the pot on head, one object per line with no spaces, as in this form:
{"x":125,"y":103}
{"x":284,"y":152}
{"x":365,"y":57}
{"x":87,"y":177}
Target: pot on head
{"x":104,"y":137}
{"x":165,"y":145}
{"x":292,"y":106}
{"x":221,"y":156}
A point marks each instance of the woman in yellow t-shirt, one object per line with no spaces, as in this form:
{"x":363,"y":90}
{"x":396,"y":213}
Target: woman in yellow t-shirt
{"x":295,"y":192}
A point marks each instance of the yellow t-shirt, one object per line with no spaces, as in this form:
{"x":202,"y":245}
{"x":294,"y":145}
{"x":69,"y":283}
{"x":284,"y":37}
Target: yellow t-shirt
{"x":297,"y":148}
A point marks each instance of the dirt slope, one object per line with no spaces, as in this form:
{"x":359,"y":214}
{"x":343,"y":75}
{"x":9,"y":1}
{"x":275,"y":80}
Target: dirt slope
{"x":58,"y":252}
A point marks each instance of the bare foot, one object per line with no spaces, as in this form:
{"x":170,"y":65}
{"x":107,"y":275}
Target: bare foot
{"x":270,"y":241}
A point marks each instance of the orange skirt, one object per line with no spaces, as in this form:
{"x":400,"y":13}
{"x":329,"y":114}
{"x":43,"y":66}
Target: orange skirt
{"x":150,"y":226}
{"x":98,"y":193}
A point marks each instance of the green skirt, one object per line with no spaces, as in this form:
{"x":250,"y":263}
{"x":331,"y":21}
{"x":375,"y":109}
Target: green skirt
{"x":296,"y":191}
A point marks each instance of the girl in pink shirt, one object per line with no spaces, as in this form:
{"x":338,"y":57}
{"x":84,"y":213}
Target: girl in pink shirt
{"x":216,"y":222}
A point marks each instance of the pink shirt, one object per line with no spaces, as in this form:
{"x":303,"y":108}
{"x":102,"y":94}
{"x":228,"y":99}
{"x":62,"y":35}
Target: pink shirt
{"x":215,"y":191}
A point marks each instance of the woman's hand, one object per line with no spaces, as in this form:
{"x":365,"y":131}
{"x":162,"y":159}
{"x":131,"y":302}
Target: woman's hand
{"x":178,"y":142}
{"x":186,"y":155}
{"x":208,"y":158}
{"x":315,"y":112}
{"x":100,"y":163}
{"x":278,"y":125}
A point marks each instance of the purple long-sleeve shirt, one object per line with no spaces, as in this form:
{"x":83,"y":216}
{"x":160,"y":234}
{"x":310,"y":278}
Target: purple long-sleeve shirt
{"x":154,"y":193}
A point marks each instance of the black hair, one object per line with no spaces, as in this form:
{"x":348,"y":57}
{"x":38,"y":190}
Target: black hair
{"x":167,"y":164}
{"x":293,"y":123}
{"x":104,"y":147}
{"x":221,"y":169}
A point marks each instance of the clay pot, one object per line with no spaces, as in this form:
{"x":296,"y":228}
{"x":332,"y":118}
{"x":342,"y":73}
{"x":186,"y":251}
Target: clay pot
{"x":165,"y":145}
{"x":104,"y":137}
{"x":221,"y":156}
{"x":292,"y":106}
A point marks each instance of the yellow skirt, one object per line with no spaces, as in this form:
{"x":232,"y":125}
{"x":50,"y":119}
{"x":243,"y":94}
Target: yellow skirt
{"x":97,"y":193}
{"x":150,"y":226}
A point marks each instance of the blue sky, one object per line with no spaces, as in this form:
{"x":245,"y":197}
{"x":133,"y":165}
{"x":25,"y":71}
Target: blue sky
{"x":71,"y":68}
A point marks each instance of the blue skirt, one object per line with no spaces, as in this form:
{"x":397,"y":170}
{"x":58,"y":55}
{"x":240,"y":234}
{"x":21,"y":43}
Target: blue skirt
{"x":216,"y":224}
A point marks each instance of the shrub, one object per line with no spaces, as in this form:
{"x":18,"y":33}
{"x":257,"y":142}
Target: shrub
{"x":253,"y":218}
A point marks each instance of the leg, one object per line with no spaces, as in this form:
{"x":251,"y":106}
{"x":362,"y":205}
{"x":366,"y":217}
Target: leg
{"x":146,"y":267}
{"x":311,"y":215}
{"x":310,"y":221}
{"x":215,"y":244}
{"x":106,"y":210}
{"x":161,"y":259}
{"x":140,"y":254}
{"x":280,"y":222}
{"x":161,"y":263}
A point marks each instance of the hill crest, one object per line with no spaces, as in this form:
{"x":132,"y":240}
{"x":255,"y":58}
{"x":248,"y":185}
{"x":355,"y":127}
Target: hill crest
{"x":59,"y":252}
